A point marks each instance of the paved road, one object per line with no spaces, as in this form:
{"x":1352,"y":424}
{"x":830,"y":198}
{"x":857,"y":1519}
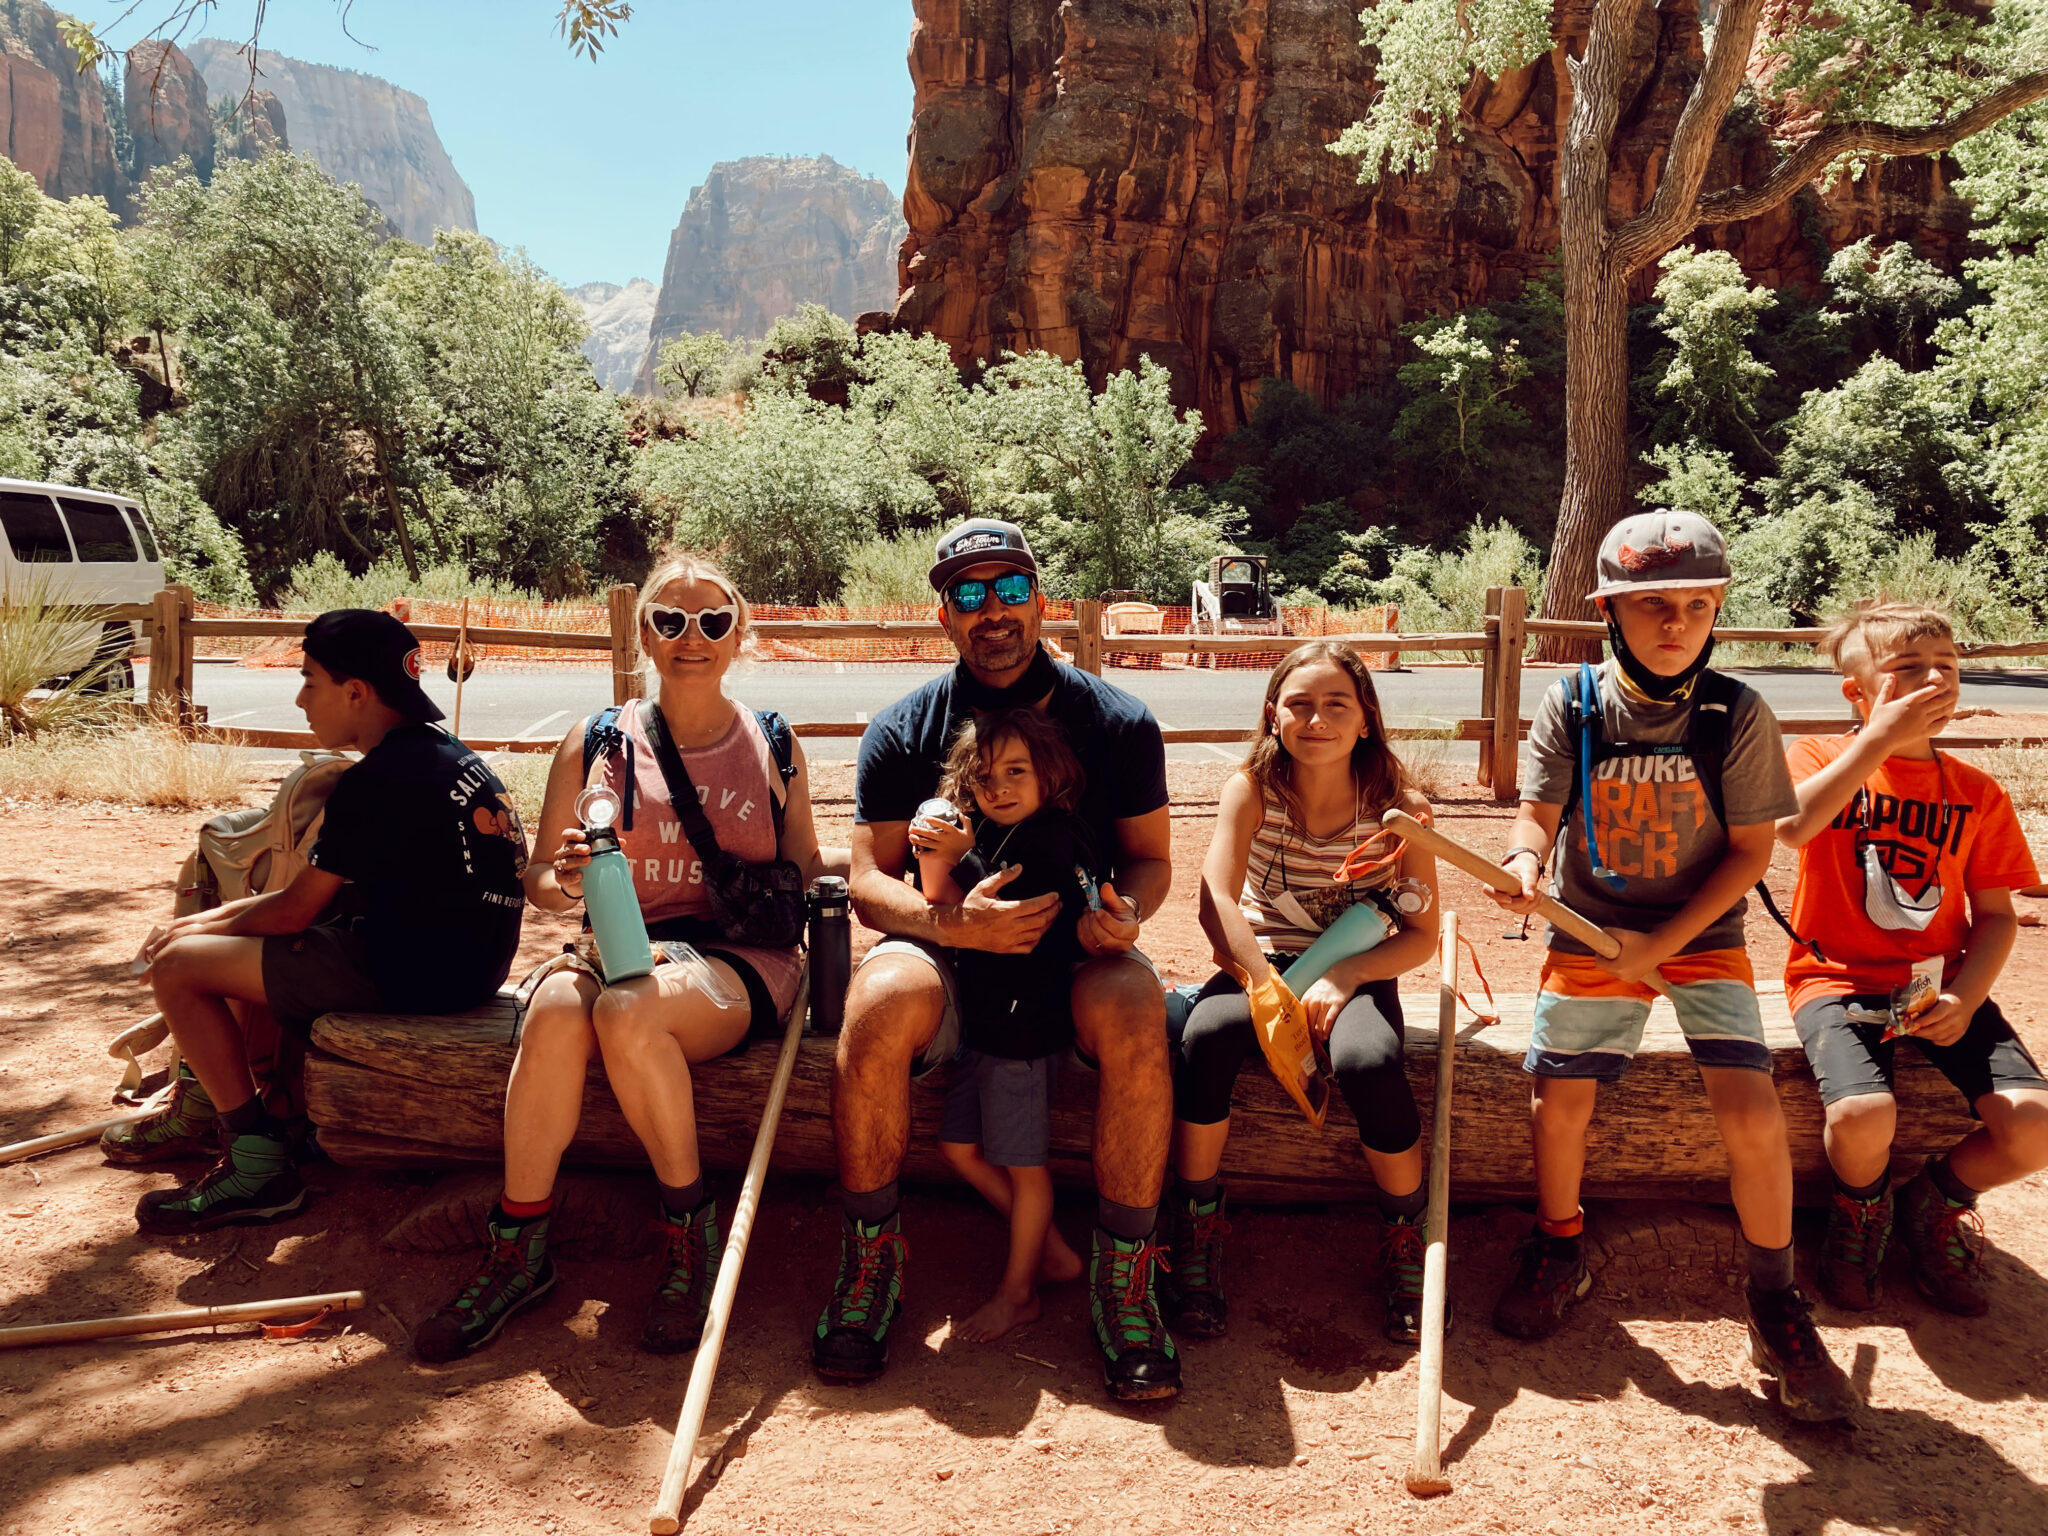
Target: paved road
{"x":542,"y":702}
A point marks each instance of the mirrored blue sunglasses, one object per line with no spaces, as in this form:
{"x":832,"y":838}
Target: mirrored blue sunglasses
{"x":1013,"y":587}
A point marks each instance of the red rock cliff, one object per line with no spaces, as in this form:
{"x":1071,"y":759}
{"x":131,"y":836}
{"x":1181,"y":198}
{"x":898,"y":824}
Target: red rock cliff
{"x":55,"y":119}
{"x":1111,"y":178}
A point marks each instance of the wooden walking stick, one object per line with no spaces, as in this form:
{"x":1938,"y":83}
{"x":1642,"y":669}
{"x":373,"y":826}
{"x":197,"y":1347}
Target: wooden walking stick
{"x":71,"y":1138}
{"x":184,"y":1317}
{"x":1487,"y":872}
{"x":460,"y":667}
{"x":666,"y":1516}
{"x":1426,"y":1476}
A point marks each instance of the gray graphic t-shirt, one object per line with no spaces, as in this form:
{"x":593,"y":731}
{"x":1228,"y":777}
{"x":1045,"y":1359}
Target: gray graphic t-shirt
{"x":1651,"y":815}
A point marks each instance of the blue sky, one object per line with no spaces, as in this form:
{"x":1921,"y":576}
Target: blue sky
{"x":588,"y":165}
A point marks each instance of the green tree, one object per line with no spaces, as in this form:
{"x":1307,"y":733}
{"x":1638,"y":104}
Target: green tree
{"x":1709,"y":373}
{"x":1874,"y":78}
{"x":812,"y":351}
{"x":692,"y":365}
{"x":1894,"y":288}
{"x":1461,"y":382}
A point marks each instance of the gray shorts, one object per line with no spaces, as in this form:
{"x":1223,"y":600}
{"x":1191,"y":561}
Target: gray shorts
{"x":1002,"y":1106}
{"x":945,"y":1044}
{"x":322,"y":970}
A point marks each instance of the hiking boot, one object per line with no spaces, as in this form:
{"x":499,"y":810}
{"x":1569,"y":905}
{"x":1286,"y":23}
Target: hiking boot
{"x":1403,"y":1243}
{"x":183,"y":1127}
{"x":1947,"y":1243}
{"x":689,"y":1269}
{"x":516,"y":1272}
{"x":1550,"y":1277}
{"x":1852,"y":1260}
{"x":255,"y":1180}
{"x":1138,"y":1358}
{"x":1783,"y":1343}
{"x":1191,"y":1288}
{"x":852,"y":1338}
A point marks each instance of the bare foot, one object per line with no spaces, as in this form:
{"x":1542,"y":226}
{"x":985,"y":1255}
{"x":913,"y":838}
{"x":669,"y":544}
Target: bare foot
{"x":1058,"y":1263}
{"x":996,"y":1317}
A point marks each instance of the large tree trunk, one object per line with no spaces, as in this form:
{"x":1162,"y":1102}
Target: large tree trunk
{"x":1595,"y":452}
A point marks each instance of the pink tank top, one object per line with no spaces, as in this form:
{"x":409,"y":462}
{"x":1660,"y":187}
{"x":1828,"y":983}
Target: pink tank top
{"x":737,"y":785}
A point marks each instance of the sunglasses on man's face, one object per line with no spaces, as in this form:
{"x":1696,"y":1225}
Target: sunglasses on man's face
{"x":713,"y":624}
{"x":968,"y":596}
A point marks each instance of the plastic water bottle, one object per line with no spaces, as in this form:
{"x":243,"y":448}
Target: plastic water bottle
{"x":1357,"y":929}
{"x":831,"y":946}
{"x":609,"y":898}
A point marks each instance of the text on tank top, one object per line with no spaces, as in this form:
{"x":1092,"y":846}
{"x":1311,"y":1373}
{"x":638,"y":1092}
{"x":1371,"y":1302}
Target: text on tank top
{"x":1286,"y":861}
{"x":736,"y":780}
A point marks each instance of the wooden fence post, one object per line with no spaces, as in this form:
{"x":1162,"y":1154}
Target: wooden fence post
{"x":163,"y":653}
{"x":624,"y":605}
{"x":1088,"y":642}
{"x":1489,"y":677}
{"x":1507,"y":694}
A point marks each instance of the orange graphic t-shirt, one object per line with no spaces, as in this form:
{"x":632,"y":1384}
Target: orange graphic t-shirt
{"x":1951,"y":825}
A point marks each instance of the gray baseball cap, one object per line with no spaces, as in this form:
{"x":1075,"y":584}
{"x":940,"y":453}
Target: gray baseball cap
{"x":1661,"y":552}
{"x":980,"y":541}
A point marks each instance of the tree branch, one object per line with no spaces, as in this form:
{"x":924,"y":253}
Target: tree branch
{"x":1832,"y":143}
{"x":1670,"y":214}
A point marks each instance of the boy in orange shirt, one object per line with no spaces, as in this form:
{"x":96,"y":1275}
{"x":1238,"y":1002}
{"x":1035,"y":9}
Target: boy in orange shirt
{"x":1907,"y":864}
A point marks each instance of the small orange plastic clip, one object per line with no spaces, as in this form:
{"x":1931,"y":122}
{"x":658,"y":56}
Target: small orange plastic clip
{"x":296,"y":1330}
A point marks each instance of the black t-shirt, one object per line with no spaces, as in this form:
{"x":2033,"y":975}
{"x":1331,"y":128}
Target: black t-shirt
{"x":1113,"y":734}
{"x":433,"y":849}
{"x":1018,"y":1006}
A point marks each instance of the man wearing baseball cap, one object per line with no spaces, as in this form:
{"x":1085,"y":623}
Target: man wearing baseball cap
{"x":411,"y":903}
{"x":902,"y":1009}
{"x":1668,"y":780}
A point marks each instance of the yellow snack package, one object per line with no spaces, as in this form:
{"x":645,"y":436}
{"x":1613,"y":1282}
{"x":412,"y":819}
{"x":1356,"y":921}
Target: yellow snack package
{"x":1289,"y":1048}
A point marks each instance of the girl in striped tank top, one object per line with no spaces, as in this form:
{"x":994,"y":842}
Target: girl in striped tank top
{"x":1313,"y":788}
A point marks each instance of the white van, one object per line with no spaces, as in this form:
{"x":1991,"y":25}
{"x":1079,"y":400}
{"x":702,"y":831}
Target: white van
{"x":79,"y":546}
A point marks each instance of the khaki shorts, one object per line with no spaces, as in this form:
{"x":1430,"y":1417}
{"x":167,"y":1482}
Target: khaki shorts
{"x":946,"y":1043}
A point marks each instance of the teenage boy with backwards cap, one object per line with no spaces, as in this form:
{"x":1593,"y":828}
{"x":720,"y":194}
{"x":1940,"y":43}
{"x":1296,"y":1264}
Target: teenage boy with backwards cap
{"x":1672,"y":852}
{"x":1907,"y":863}
{"x":423,"y":849}
{"x":902,"y":1009}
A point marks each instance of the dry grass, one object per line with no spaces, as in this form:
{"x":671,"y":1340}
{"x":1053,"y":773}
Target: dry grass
{"x":525,"y":777}
{"x":1429,"y":765}
{"x":150,"y":765}
{"x":2023,"y":771}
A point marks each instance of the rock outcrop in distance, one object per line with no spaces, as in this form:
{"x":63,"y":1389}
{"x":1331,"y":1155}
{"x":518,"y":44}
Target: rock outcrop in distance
{"x":765,"y":234}
{"x":618,"y":318}
{"x":357,"y":128}
{"x":1106,"y":179}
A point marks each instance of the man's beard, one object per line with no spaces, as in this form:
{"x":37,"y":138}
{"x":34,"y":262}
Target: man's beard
{"x":1002,"y":651}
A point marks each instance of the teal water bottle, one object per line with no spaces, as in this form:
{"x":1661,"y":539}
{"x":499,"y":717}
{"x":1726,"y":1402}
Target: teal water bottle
{"x":1357,"y":929}
{"x":609,"y":899}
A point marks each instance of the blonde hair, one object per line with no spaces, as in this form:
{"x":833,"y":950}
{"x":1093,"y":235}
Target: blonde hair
{"x":673,"y":565}
{"x":1875,"y":627}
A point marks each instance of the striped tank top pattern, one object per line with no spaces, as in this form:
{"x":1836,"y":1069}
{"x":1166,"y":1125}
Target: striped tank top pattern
{"x":1288,"y":869}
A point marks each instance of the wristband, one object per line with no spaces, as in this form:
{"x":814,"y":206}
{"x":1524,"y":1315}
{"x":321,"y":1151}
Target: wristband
{"x":1516,"y":852}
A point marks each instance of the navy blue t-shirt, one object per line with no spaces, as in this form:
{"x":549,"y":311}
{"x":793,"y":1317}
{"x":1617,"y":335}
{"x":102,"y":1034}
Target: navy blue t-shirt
{"x":433,"y":849}
{"x":1113,"y":734}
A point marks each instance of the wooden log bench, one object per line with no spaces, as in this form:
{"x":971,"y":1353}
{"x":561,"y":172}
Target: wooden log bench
{"x":415,"y":1091}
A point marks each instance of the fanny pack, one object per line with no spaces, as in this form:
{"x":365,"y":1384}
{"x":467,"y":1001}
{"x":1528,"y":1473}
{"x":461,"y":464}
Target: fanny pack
{"x":757,"y":905}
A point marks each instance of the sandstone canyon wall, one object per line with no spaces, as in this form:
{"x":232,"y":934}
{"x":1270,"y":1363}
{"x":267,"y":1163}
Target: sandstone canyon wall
{"x":765,"y":234}
{"x":54,"y":118}
{"x":618,"y":318}
{"x":1111,"y":178}
{"x":358,"y":128}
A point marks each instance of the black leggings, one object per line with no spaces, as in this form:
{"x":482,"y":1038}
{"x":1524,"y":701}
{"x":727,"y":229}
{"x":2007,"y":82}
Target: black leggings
{"x":1365,"y":1049}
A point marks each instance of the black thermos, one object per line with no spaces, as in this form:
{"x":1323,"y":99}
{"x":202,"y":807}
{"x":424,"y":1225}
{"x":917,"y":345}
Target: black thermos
{"x":831,"y":945}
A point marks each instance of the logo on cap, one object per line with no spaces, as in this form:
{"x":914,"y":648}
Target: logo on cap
{"x":975,"y":541}
{"x":1670,"y":552}
{"x":412,"y":663}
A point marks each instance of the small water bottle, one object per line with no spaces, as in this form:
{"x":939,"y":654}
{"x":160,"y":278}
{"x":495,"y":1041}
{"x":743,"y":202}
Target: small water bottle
{"x":831,"y":946}
{"x":609,"y":899}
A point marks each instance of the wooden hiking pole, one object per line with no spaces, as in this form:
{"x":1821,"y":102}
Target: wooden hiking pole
{"x":184,"y":1317}
{"x":72,"y":1138}
{"x":666,"y":1516}
{"x":1487,"y":872}
{"x":461,"y":667}
{"x":1426,"y":1476}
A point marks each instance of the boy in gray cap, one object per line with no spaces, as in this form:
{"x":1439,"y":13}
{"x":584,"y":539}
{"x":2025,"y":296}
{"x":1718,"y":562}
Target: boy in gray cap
{"x":1668,"y":779}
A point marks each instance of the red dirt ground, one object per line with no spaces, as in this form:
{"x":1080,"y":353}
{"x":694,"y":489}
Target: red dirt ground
{"x":1641,"y":1416}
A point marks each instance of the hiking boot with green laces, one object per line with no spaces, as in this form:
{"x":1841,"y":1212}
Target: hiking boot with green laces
{"x":1947,"y":1243}
{"x":1403,"y":1243}
{"x":1138,"y":1358}
{"x":1852,"y":1259}
{"x":515,"y":1272}
{"x":1191,"y":1288}
{"x":852,"y":1338}
{"x":183,"y":1127}
{"x":255,"y":1180}
{"x":690,"y":1253}
{"x":1783,"y":1343}
{"x":1550,"y":1278}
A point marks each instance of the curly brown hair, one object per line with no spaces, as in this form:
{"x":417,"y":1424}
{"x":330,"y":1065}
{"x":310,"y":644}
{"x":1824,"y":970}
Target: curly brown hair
{"x":1379,"y":773}
{"x":973,"y":750}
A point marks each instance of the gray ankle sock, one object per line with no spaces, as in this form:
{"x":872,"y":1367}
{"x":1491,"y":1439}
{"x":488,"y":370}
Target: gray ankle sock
{"x":1864,"y":1192}
{"x":1945,"y":1180}
{"x":869,"y":1208}
{"x":1126,"y":1223}
{"x":1201,"y":1191}
{"x":1770,"y":1269}
{"x":679,"y":1200}
{"x":1405,"y":1207}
